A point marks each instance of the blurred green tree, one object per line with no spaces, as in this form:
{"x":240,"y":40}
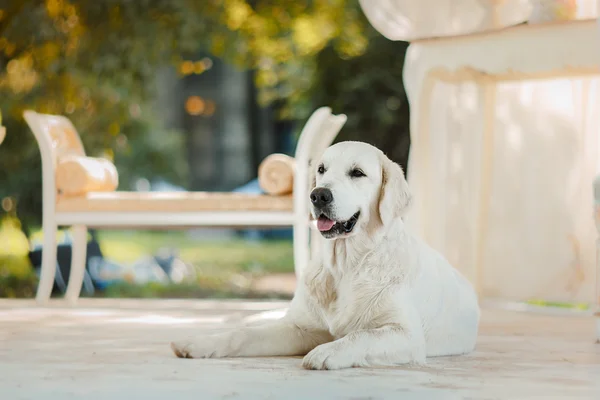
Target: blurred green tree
{"x":368,"y":88}
{"x":96,"y":62}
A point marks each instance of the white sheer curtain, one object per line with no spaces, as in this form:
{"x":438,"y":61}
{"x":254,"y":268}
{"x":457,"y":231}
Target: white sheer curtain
{"x":507,"y":199}
{"x":539,"y":236}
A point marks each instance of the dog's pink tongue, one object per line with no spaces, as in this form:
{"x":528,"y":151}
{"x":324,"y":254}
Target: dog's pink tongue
{"x":324,"y":224}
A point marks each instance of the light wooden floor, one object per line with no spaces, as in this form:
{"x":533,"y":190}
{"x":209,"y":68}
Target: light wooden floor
{"x":119,"y":350}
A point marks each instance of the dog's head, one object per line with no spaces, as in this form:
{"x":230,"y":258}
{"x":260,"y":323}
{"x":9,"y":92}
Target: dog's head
{"x":356,"y":187}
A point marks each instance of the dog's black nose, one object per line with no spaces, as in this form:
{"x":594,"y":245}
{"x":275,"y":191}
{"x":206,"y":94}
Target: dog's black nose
{"x":321,"y":197}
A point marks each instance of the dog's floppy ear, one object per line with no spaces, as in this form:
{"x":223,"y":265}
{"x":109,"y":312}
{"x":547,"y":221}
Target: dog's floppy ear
{"x":395,"y":197}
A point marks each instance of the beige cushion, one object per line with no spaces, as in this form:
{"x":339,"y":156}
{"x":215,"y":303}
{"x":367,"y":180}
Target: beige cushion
{"x":77,"y":175}
{"x":276,"y":174}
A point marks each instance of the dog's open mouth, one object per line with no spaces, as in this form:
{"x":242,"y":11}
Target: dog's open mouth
{"x":329,"y":227}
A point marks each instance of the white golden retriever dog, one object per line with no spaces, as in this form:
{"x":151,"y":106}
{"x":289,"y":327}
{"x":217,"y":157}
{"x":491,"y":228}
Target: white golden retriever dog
{"x":376,"y":295}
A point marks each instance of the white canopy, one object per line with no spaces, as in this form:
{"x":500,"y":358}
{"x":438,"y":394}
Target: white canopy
{"x":410,"y":20}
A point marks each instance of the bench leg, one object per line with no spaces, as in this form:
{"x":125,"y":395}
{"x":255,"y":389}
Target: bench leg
{"x":77,"y":263}
{"x":48,"y":269}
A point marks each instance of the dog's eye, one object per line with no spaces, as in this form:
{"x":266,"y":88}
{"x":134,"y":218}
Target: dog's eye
{"x":357,"y":173}
{"x":321,"y":169}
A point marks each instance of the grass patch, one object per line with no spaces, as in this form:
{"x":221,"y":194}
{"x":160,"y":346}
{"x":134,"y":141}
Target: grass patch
{"x":543,"y":303}
{"x":208,"y":256}
{"x":224,"y":268}
{"x":185,"y":291}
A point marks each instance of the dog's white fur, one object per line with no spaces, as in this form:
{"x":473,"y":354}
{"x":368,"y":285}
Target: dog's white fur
{"x":378,"y":296}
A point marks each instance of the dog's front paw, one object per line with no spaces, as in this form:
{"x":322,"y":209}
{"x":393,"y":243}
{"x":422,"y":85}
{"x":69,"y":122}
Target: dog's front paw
{"x":182,"y":349}
{"x":204,"y":347}
{"x":329,"y":356}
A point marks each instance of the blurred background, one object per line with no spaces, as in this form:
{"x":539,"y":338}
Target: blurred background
{"x":183,"y":95}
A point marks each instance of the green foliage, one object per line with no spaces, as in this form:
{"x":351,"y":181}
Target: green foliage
{"x":17,"y":278}
{"x":12,"y":286}
{"x":92,"y":61}
{"x":96,"y":62}
{"x":369,"y":90}
{"x":70,"y":55}
{"x":152,"y":153}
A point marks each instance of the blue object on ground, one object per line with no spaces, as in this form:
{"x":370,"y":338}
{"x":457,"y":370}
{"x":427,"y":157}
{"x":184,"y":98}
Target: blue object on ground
{"x":161,"y":185}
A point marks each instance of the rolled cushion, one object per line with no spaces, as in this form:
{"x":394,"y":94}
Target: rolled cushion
{"x":78,"y":175}
{"x":276,"y":174}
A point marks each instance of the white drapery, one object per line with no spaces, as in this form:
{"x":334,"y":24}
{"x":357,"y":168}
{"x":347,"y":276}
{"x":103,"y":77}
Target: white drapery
{"x":537,"y":237}
{"x":503,"y":191}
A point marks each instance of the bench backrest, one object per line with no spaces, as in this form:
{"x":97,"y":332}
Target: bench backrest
{"x":55,"y":134}
{"x":56,"y":137}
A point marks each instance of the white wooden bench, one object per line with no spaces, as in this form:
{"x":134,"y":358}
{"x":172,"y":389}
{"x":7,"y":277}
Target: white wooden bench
{"x":57,"y":137}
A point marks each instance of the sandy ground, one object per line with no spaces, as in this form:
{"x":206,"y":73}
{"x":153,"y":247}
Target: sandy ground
{"x":116,"y":349}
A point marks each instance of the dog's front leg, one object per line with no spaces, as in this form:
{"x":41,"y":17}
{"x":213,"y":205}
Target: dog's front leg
{"x":391,"y":344}
{"x":281,"y":338}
